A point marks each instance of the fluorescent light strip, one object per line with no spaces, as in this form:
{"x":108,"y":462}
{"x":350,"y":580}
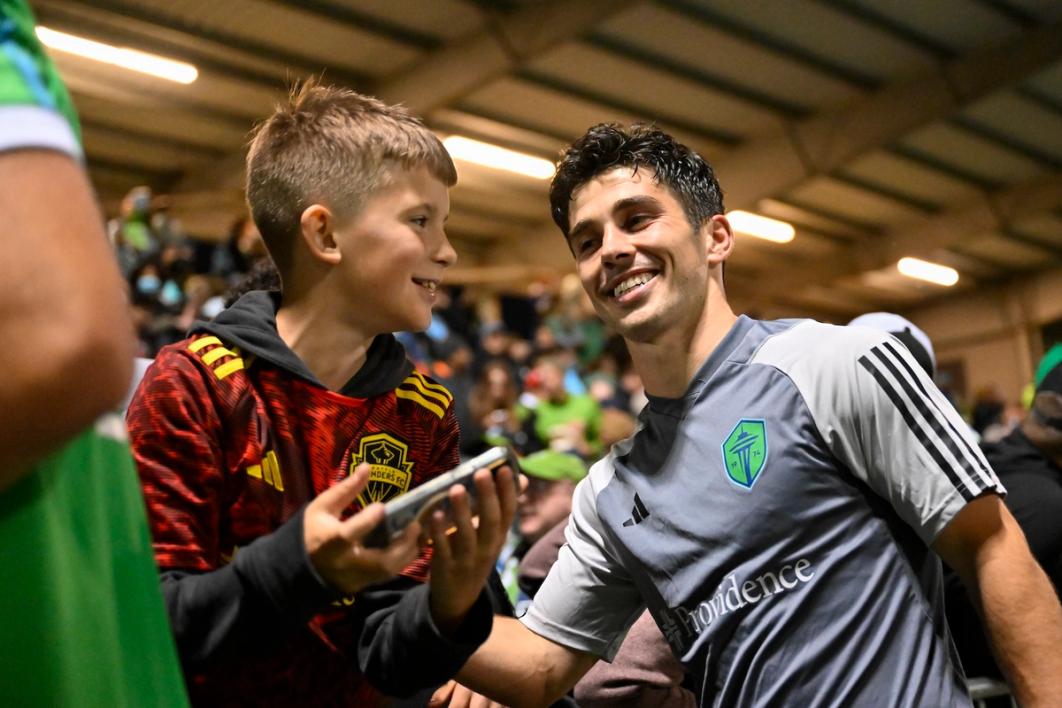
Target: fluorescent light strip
{"x":131,"y":59}
{"x":499,"y":158}
{"x":930,"y":272}
{"x":761,"y":226}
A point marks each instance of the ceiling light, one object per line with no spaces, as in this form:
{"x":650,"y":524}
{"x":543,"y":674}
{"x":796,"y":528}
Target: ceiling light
{"x":930,"y":272}
{"x":132,"y":59}
{"x":761,"y":226}
{"x":499,"y":158}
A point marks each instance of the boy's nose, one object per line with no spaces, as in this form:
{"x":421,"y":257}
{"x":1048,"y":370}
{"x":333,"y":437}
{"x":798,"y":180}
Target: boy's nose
{"x":445,"y":254}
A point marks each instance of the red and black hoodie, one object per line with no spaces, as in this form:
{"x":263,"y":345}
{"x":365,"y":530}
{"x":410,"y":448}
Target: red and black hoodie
{"x":233,"y":436}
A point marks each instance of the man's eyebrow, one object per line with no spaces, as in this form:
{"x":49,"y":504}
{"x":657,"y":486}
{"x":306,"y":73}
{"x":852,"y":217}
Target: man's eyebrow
{"x":640,"y":200}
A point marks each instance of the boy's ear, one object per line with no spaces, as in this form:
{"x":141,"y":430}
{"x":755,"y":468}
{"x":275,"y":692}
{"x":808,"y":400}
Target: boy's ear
{"x":317,"y":228}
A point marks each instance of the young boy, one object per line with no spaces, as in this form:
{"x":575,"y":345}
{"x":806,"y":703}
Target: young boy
{"x":254,"y":436}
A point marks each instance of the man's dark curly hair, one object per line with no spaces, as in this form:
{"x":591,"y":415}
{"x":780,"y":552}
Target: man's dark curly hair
{"x":607,"y":145}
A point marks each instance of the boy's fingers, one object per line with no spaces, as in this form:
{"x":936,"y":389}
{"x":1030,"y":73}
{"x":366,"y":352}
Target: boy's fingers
{"x":489,"y":507}
{"x":461,"y":515}
{"x":343,"y":493}
{"x":358,"y":526}
{"x":442,"y":696}
{"x":505,"y":480}
{"x":440,"y":542}
{"x":401,"y":551}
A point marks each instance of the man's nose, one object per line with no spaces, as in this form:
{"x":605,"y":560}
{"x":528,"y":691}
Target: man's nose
{"x":615,"y":244}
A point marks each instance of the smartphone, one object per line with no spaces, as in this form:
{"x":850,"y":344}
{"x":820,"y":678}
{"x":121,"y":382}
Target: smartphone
{"x":401,"y":511}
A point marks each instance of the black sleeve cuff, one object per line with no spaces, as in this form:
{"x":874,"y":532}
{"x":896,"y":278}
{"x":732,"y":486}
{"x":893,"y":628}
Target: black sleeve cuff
{"x":278,"y":567}
{"x":402,"y":651}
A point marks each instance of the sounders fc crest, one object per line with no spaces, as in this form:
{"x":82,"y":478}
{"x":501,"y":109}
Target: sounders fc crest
{"x":391,"y":470}
{"x":745,"y":452}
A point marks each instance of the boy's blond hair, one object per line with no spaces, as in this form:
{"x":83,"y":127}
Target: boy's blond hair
{"x":332,"y":146}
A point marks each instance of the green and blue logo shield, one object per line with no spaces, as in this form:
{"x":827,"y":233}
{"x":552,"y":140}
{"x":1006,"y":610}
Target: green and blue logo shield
{"x":745,"y":452}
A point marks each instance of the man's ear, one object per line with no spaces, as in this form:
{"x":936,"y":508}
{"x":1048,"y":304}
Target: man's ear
{"x":317,"y":228}
{"x":719,"y":241}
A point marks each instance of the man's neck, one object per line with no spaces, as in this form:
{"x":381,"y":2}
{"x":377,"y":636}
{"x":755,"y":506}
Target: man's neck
{"x":667,"y":367}
{"x":332,"y":350}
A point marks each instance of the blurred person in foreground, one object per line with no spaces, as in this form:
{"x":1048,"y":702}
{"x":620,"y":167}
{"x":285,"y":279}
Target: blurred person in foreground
{"x":777,"y":508}
{"x":267,"y":439}
{"x":83,"y":620}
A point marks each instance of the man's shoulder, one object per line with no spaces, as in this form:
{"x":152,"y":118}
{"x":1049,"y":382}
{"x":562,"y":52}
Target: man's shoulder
{"x":799,"y":338}
{"x":812,"y":351}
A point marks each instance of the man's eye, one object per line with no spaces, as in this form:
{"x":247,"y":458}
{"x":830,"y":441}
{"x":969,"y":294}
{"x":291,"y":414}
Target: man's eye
{"x":637,"y":220}
{"x":420,"y":221}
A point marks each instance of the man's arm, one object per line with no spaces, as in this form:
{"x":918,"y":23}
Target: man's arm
{"x":1021,"y":612}
{"x":522,"y":669}
{"x":62,"y":301}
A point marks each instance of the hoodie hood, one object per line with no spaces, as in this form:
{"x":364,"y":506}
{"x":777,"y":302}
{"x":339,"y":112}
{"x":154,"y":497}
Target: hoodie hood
{"x":251,"y":324}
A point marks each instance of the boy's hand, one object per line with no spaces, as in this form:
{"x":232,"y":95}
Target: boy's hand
{"x":454,"y":695}
{"x":462,"y":561}
{"x":334,"y":543}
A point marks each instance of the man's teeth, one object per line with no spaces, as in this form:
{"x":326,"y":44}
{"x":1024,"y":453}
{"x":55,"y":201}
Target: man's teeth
{"x":632,"y":282}
{"x":429,"y":284}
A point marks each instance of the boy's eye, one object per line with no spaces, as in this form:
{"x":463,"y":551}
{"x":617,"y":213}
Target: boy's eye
{"x":420,"y":221}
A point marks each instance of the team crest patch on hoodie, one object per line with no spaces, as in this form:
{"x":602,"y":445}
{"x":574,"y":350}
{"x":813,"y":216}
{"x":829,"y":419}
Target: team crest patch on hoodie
{"x":391,"y":471}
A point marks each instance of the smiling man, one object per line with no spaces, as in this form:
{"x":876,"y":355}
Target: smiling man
{"x":777,"y":508}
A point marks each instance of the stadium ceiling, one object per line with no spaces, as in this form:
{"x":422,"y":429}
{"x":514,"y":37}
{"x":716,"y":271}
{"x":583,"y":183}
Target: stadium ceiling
{"x":878,"y":129}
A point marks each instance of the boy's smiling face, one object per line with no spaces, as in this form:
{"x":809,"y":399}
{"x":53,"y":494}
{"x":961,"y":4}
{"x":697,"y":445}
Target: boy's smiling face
{"x":394,"y":252}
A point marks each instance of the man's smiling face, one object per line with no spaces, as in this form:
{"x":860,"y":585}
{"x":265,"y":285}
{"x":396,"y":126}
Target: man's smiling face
{"x":643,"y":265}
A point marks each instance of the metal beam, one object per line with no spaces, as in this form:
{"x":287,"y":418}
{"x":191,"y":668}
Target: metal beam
{"x":553,"y":83}
{"x":702,"y":12}
{"x":870,"y":15}
{"x":363,"y":22}
{"x":451,"y":72}
{"x":188,"y":146}
{"x":62,"y":18}
{"x":299,"y":64}
{"x":698,"y":75}
{"x":508,"y":42}
{"x":923,"y":236}
{"x":771,"y":164}
{"x":1006,"y":141}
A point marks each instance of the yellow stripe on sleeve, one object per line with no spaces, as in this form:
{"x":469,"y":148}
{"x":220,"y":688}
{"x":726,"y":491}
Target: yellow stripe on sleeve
{"x":228,"y":367}
{"x":417,"y":398}
{"x":438,"y":388}
{"x":416,"y":383}
{"x":203,"y":343}
{"x":214,"y":354}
